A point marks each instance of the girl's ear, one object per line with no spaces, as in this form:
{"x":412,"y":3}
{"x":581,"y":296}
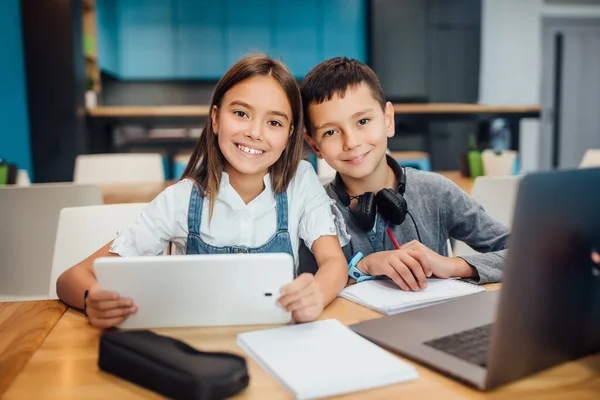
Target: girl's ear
{"x":390,"y":125}
{"x":291,"y":130}
{"x":313,"y":144}
{"x":214,"y":116}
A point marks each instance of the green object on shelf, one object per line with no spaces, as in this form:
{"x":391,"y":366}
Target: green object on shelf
{"x":472,"y":142}
{"x":475,"y":163}
{"x":474,"y":158}
{"x":89,"y":45}
{"x":3,"y":174}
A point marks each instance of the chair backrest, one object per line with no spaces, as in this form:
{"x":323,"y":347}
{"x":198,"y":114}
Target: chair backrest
{"x":83,"y":230}
{"x":591,"y":159}
{"x":119,"y":168}
{"x":23,"y":178}
{"x":324,"y":171}
{"x":497,"y":195}
{"x":28,"y":221}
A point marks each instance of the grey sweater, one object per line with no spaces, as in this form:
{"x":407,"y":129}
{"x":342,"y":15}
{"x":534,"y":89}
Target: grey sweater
{"x":441,"y":210}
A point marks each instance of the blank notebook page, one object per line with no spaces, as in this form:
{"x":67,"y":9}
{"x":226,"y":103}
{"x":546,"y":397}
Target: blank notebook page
{"x":323,"y":358}
{"x":386,"y":297}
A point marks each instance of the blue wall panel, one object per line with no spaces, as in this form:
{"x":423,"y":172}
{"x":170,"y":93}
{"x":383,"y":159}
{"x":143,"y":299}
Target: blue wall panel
{"x":344,"y":24}
{"x":147,"y":45}
{"x":247,"y":29}
{"x":14,"y":134}
{"x":108,"y":36}
{"x":201,"y":39}
{"x":199,"y":36}
{"x":297,"y":34}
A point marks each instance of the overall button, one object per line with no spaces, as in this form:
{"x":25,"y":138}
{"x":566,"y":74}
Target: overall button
{"x":371,"y":238}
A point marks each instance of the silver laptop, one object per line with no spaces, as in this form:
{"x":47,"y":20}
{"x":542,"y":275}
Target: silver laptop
{"x":199,"y":290}
{"x":548,"y":310}
{"x":28,"y":223}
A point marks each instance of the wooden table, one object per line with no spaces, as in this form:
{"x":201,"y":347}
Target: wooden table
{"x":132,"y":193}
{"x":463,"y":182}
{"x":23,"y":327}
{"x":146,"y":192}
{"x":65,"y":366}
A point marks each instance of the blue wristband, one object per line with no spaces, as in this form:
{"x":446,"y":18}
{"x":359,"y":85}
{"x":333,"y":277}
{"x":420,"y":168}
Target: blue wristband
{"x":354,"y":272}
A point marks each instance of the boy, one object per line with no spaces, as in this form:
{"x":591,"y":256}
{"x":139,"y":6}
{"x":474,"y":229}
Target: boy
{"x":348,"y":123}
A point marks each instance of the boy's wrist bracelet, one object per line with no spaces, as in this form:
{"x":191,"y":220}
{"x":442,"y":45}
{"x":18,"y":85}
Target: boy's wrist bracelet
{"x":354,"y":272}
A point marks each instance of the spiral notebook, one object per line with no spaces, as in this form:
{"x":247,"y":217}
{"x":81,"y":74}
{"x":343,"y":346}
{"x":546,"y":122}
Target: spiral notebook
{"x":322,"y":359}
{"x":386,"y":297}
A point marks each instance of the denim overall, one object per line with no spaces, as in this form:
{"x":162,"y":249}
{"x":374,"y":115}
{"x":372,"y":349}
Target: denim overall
{"x":279,"y":243}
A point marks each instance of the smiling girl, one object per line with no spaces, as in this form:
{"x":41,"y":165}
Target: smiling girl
{"x":245,"y":189}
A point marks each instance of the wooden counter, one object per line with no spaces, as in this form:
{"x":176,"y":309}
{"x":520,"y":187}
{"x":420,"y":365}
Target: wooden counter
{"x":145,"y":111}
{"x":102,"y":123}
{"x":203,"y":110}
{"x":456,"y":108}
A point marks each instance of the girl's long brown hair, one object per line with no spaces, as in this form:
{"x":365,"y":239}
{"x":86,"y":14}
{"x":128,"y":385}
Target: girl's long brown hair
{"x":207,"y":162}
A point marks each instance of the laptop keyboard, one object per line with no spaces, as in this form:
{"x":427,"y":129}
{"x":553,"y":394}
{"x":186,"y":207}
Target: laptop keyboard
{"x":470,"y":345}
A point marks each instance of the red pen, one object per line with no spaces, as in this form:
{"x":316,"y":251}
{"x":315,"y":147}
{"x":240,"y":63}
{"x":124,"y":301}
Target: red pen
{"x":391,"y":235}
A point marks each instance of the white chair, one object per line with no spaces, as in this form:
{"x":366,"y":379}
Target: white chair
{"x":23,"y":178}
{"x":450,"y":249}
{"x":83,"y":230}
{"x":324,"y":171}
{"x":591,"y":159}
{"x":498,"y":196}
{"x":119,"y":168}
{"x":28,"y":221}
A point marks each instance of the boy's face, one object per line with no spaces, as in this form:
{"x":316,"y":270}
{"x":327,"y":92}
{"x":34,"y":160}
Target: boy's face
{"x":351,"y":133}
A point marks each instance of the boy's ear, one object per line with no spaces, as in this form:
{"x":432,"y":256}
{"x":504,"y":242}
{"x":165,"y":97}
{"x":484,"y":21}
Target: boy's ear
{"x":313,"y":145}
{"x":390,"y":124}
{"x":214,"y":116}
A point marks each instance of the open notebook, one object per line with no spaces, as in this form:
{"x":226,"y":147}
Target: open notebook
{"x":386,"y":297}
{"x":323,"y":358}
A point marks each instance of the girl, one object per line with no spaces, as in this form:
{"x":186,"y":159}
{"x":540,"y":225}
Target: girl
{"x":245,"y":190}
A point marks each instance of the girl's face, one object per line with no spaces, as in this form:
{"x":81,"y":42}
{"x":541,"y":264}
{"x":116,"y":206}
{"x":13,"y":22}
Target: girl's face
{"x":253,"y":125}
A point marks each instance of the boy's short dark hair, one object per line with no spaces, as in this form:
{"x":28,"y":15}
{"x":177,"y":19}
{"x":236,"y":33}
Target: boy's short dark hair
{"x":335,"y":76}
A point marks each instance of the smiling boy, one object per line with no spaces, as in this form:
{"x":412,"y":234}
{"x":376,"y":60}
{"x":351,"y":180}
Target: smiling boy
{"x":348,"y":123}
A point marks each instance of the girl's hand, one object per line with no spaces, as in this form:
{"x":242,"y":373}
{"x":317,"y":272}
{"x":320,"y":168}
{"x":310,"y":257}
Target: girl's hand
{"x":303,"y":298}
{"x":107,"y":309}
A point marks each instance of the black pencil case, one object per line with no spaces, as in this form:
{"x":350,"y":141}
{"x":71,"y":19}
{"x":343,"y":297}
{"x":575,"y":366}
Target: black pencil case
{"x":171,"y":367}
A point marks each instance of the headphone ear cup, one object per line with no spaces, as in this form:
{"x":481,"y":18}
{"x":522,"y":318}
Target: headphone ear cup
{"x":392,"y":206}
{"x":365,"y":211}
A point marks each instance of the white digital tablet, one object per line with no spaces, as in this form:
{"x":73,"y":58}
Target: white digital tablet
{"x":199,"y":290}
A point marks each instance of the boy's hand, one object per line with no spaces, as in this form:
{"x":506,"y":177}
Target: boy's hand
{"x":107,"y":309}
{"x":442,"y":266}
{"x":407,"y":267}
{"x":303,"y":298}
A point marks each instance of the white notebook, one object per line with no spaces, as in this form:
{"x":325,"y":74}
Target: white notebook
{"x":386,"y":297}
{"x":323,"y":358}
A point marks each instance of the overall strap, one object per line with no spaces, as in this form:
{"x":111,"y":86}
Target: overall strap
{"x":195,"y":211}
{"x":282,"y":211}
